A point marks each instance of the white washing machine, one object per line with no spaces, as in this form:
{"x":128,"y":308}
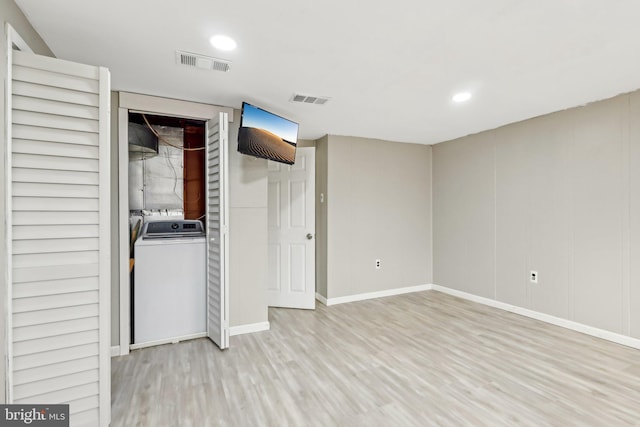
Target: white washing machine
{"x":169,"y":288}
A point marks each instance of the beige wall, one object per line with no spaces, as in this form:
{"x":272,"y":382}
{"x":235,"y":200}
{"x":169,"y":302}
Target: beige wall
{"x":634,"y":215}
{"x":248,"y":234}
{"x":306,"y":143}
{"x":378,"y":206}
{"x":463,"y":214}
{"x":10,"y":13}
{"x":559,"y":194}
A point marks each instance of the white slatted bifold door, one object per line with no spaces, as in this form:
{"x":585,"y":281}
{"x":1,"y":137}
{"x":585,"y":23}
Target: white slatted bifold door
{"x":217,"y":225}
{"x":59,"y":236}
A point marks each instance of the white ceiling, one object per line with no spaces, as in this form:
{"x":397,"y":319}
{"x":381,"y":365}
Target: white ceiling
{"x":390,"y":67}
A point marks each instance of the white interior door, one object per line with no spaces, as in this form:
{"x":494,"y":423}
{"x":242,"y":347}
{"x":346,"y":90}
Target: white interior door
{"x":291,"y":219}
{"x":217,"y":227}
{"x":58,"y":230}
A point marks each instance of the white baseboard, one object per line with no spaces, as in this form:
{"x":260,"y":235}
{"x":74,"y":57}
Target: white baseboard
{"x":234,"y":330}
{"x":118,"y":350}
{"x":558,"y":321}
{"x":115,"y":351}
{"x":320,"y":298}
{"x":372,"y":295}
{"x":249,"y":329}
{"x":173,"y":340}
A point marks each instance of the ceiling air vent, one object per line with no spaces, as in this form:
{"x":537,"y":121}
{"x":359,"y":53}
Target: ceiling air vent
{"x":308,"y":99}
{"x":201,"y":61}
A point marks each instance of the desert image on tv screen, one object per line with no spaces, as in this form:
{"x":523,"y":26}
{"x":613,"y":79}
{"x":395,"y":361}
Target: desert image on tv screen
{"x":266,"y":135}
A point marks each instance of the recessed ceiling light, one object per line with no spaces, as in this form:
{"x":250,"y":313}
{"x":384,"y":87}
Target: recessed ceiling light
{"x":461,"y":97}
{"x":223,"y":42}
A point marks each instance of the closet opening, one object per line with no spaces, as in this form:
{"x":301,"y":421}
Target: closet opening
{"x":167,"y":213}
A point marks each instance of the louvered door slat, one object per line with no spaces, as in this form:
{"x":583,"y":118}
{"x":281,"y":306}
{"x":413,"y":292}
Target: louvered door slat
{"x":36,"y":161}
{"x":31,"y":118}
{"x":25,"y":189}
{"x":56,"y":218}
{"x":54,"y":287}
{"x":55,"y":370}
{"x":54,"y":135}
{"x":26,"y":103}
{"x":70,"y":394}
{"x":59,"y":222}
{"x":28,"y":146}
{"x":54,"y":245}
{"x":53,"y":315}
{"x":54,"y":93}
{"x":49,"y":78}
{"x":37,"y":231}
{"x":55,"y":328}
{"x":70,"y":258}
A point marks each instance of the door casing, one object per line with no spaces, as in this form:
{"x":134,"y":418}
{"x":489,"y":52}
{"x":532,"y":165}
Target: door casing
{"x":148,"y":105}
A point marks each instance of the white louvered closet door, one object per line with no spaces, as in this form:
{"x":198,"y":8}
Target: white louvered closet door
{"x":59,"y":236}
{"x":217,"y":226}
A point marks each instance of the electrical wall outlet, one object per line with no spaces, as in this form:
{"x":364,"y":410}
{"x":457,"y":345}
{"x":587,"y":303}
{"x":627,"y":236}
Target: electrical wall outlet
{"x":377,"y":264}
{"x":533,"y":276}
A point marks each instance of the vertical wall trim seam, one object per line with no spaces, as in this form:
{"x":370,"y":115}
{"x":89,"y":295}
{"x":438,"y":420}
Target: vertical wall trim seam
{"x":572,"y":209}
{"x":528,"y":216}
{"x":495,"y":216}
{"x":625,"y":302}
{"x":431,"y":231}
{"x":326,"y":218}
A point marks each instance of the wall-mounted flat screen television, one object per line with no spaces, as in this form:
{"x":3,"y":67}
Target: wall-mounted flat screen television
{"x":266,"y":135}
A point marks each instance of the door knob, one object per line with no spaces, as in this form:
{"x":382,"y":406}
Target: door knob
{"x":309,"y":236}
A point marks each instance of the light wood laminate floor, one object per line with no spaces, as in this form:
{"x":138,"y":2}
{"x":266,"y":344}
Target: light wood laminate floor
{"x":412,"y":360}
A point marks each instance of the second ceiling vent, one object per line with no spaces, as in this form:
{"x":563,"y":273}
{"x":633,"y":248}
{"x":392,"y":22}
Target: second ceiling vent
{"x":203,"y":62}
{"x":309,"y":99}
